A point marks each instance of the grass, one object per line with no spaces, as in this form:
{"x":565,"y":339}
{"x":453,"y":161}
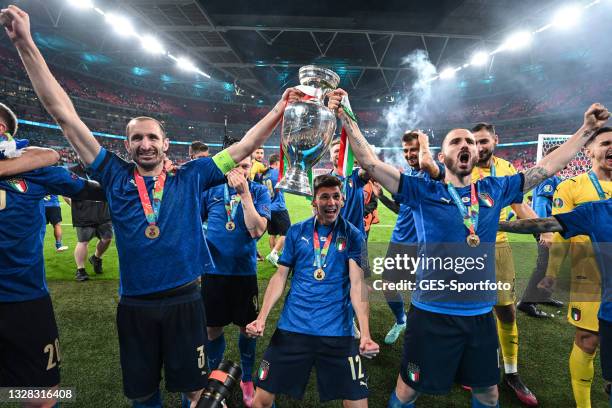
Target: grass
{"x":86,"y":318}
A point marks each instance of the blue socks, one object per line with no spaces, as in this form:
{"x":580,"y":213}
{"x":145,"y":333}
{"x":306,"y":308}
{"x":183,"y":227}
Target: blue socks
{"x":185,"y":403}
{"x":215,"y":350}
{"x":153,"y":402}
{"x":397,"y":307}
{"x":394,"y":402}
{"x":478,"y":404}
{"x":246,"y":345}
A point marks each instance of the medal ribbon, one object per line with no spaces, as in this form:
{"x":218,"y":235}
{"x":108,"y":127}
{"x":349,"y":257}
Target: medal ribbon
{"x":597,"y":185}
{"x":492,"y":168}
{"x":231,"y":206}
{"x":321,"y":254}
{"x":151,"y":211}
{"x":469,"y":214}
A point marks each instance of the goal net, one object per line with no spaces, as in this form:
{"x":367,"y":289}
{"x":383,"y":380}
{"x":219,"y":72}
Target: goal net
{"x":580,"y":164}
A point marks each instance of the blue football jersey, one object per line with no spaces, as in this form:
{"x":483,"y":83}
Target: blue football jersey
{"x":543,"y":196}
{"x":269,"y":179}
{"x":176,"y":256}
{"x":51,"y":200}
{"x":444,"y":256}
{"x":595,"y":220}
{"x":354,"y":205}
{"x":320,"y":307}
{"x":233,"y":252}
{"x":22,"y":267}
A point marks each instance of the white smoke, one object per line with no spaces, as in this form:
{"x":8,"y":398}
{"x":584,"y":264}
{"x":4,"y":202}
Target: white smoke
{"x":408,"y":111}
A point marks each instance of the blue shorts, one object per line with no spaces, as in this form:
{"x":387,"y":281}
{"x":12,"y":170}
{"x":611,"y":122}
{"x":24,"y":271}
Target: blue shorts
{"x":605,"y":345}
{"x":290,"y":357}
{"x":168,"y":332}
{"x":441,"y":349}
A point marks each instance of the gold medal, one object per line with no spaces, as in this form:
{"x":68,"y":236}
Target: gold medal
{"x":319,"y":274}
{"x":230,"y":226}
{"x":473,"y":240}
{"x":152,"y":231}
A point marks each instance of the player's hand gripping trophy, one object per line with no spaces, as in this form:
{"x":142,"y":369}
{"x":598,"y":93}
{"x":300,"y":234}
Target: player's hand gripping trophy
{"x":308,"y":128}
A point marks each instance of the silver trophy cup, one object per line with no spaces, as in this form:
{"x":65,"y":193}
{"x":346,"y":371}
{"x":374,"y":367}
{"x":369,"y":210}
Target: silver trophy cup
{"x":308,"y":129}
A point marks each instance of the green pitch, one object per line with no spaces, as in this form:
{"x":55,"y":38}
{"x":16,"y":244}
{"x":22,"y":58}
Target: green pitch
{"x":90,"y":356}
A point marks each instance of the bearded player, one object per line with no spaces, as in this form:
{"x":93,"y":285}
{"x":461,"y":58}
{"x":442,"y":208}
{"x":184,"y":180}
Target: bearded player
{"x":451,"y":336}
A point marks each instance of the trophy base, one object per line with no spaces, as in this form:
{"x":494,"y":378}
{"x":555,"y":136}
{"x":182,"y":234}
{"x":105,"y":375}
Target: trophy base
{"x":296,"y":182}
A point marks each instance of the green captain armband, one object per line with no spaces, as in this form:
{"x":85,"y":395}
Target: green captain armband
{"x":224,"y":161}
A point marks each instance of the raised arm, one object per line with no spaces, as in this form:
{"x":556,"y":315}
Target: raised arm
{"x":594,"y":118}
{"x":255,"y":223}
{"x":258,"y":134}
{"x":32,"y":158}
{"x":426,"y":161}
{"x":385,"y":174}
{"x":531,"y":226}
{"x":51,"y":94}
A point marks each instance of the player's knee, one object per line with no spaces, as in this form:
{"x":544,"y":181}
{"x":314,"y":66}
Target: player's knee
{"x":404,"y":392}
{"x":506,"y":314}
{"x":587,"y":341}
{"x":362,"y":403}
{"x":263,"y":399}
{"x":487,"y":396}
{"x":193,"y":396}
{"x":214,"y":332}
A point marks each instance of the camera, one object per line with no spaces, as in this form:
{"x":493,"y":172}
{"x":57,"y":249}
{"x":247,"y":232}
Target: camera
{"x":221,"y":382}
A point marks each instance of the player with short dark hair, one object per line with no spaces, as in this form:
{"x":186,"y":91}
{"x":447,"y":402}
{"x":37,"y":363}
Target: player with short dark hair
{"x":280,"y":220}
{"x":158,"y":228}
{"x":198,"y":149}
{"x":316,"y":325}
{"x":415,"y":145}
{"x":237,"y":213}
{"x":258,"y":167}
{"x":451,"y":335}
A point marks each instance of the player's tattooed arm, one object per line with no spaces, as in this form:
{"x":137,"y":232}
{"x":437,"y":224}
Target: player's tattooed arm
{"x":51,"y":94}
{"x":390,"y":204}
{"x":258,"y":134}
{"x":532,"y":226}
{"x":32,"y":158}
{"x":594,"y":118}
{"x":385,"y":174}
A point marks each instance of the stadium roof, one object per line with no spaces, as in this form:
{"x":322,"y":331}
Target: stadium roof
{"x":253,"y":49}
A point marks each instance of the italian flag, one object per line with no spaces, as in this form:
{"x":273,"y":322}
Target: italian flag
{"x":19,"y":185}
{"x":346,"y":159}
{"x":414,"y":376}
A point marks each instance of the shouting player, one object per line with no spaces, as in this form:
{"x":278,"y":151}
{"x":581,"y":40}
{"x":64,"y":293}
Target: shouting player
{"x":316,"y":325}
{"x":451,"y":335}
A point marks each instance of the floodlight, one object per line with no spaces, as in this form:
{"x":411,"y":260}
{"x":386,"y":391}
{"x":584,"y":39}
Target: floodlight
{"x":447,"y":73}
{"x":152,"y":45}
{"x":567,"y":17}
{"x":480,"y":58}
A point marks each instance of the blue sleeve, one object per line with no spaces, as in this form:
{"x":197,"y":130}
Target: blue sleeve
{"x":442,"y":169}
{"x":106,"y":167}
{"x":262,"y":201}
{"x":204,"y":205}
{"x":358,"y":182}
{"x":58,"y":181}
{"x":288,"y":256}
{"x":209,"y":174}
{"x":509,"y":188}
{"x":576,"y":222}
{"x":355,"y":246}
{"x":541,"y":203}
{"x":410,"y":190}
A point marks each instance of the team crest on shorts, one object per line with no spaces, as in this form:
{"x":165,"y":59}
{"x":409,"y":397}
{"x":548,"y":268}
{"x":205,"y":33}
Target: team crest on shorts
{"x":264,"y":369}
{"x":341,"y":244}
{"x":256,"y":303}
{"x":18,"y":184}
{"x":558,"y":202}
{"x":576,"y":314}
{"x":414,"y":372}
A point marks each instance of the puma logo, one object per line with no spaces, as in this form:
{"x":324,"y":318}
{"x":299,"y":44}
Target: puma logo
{"x":307,"y":240}
{"x":445,"y":200}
